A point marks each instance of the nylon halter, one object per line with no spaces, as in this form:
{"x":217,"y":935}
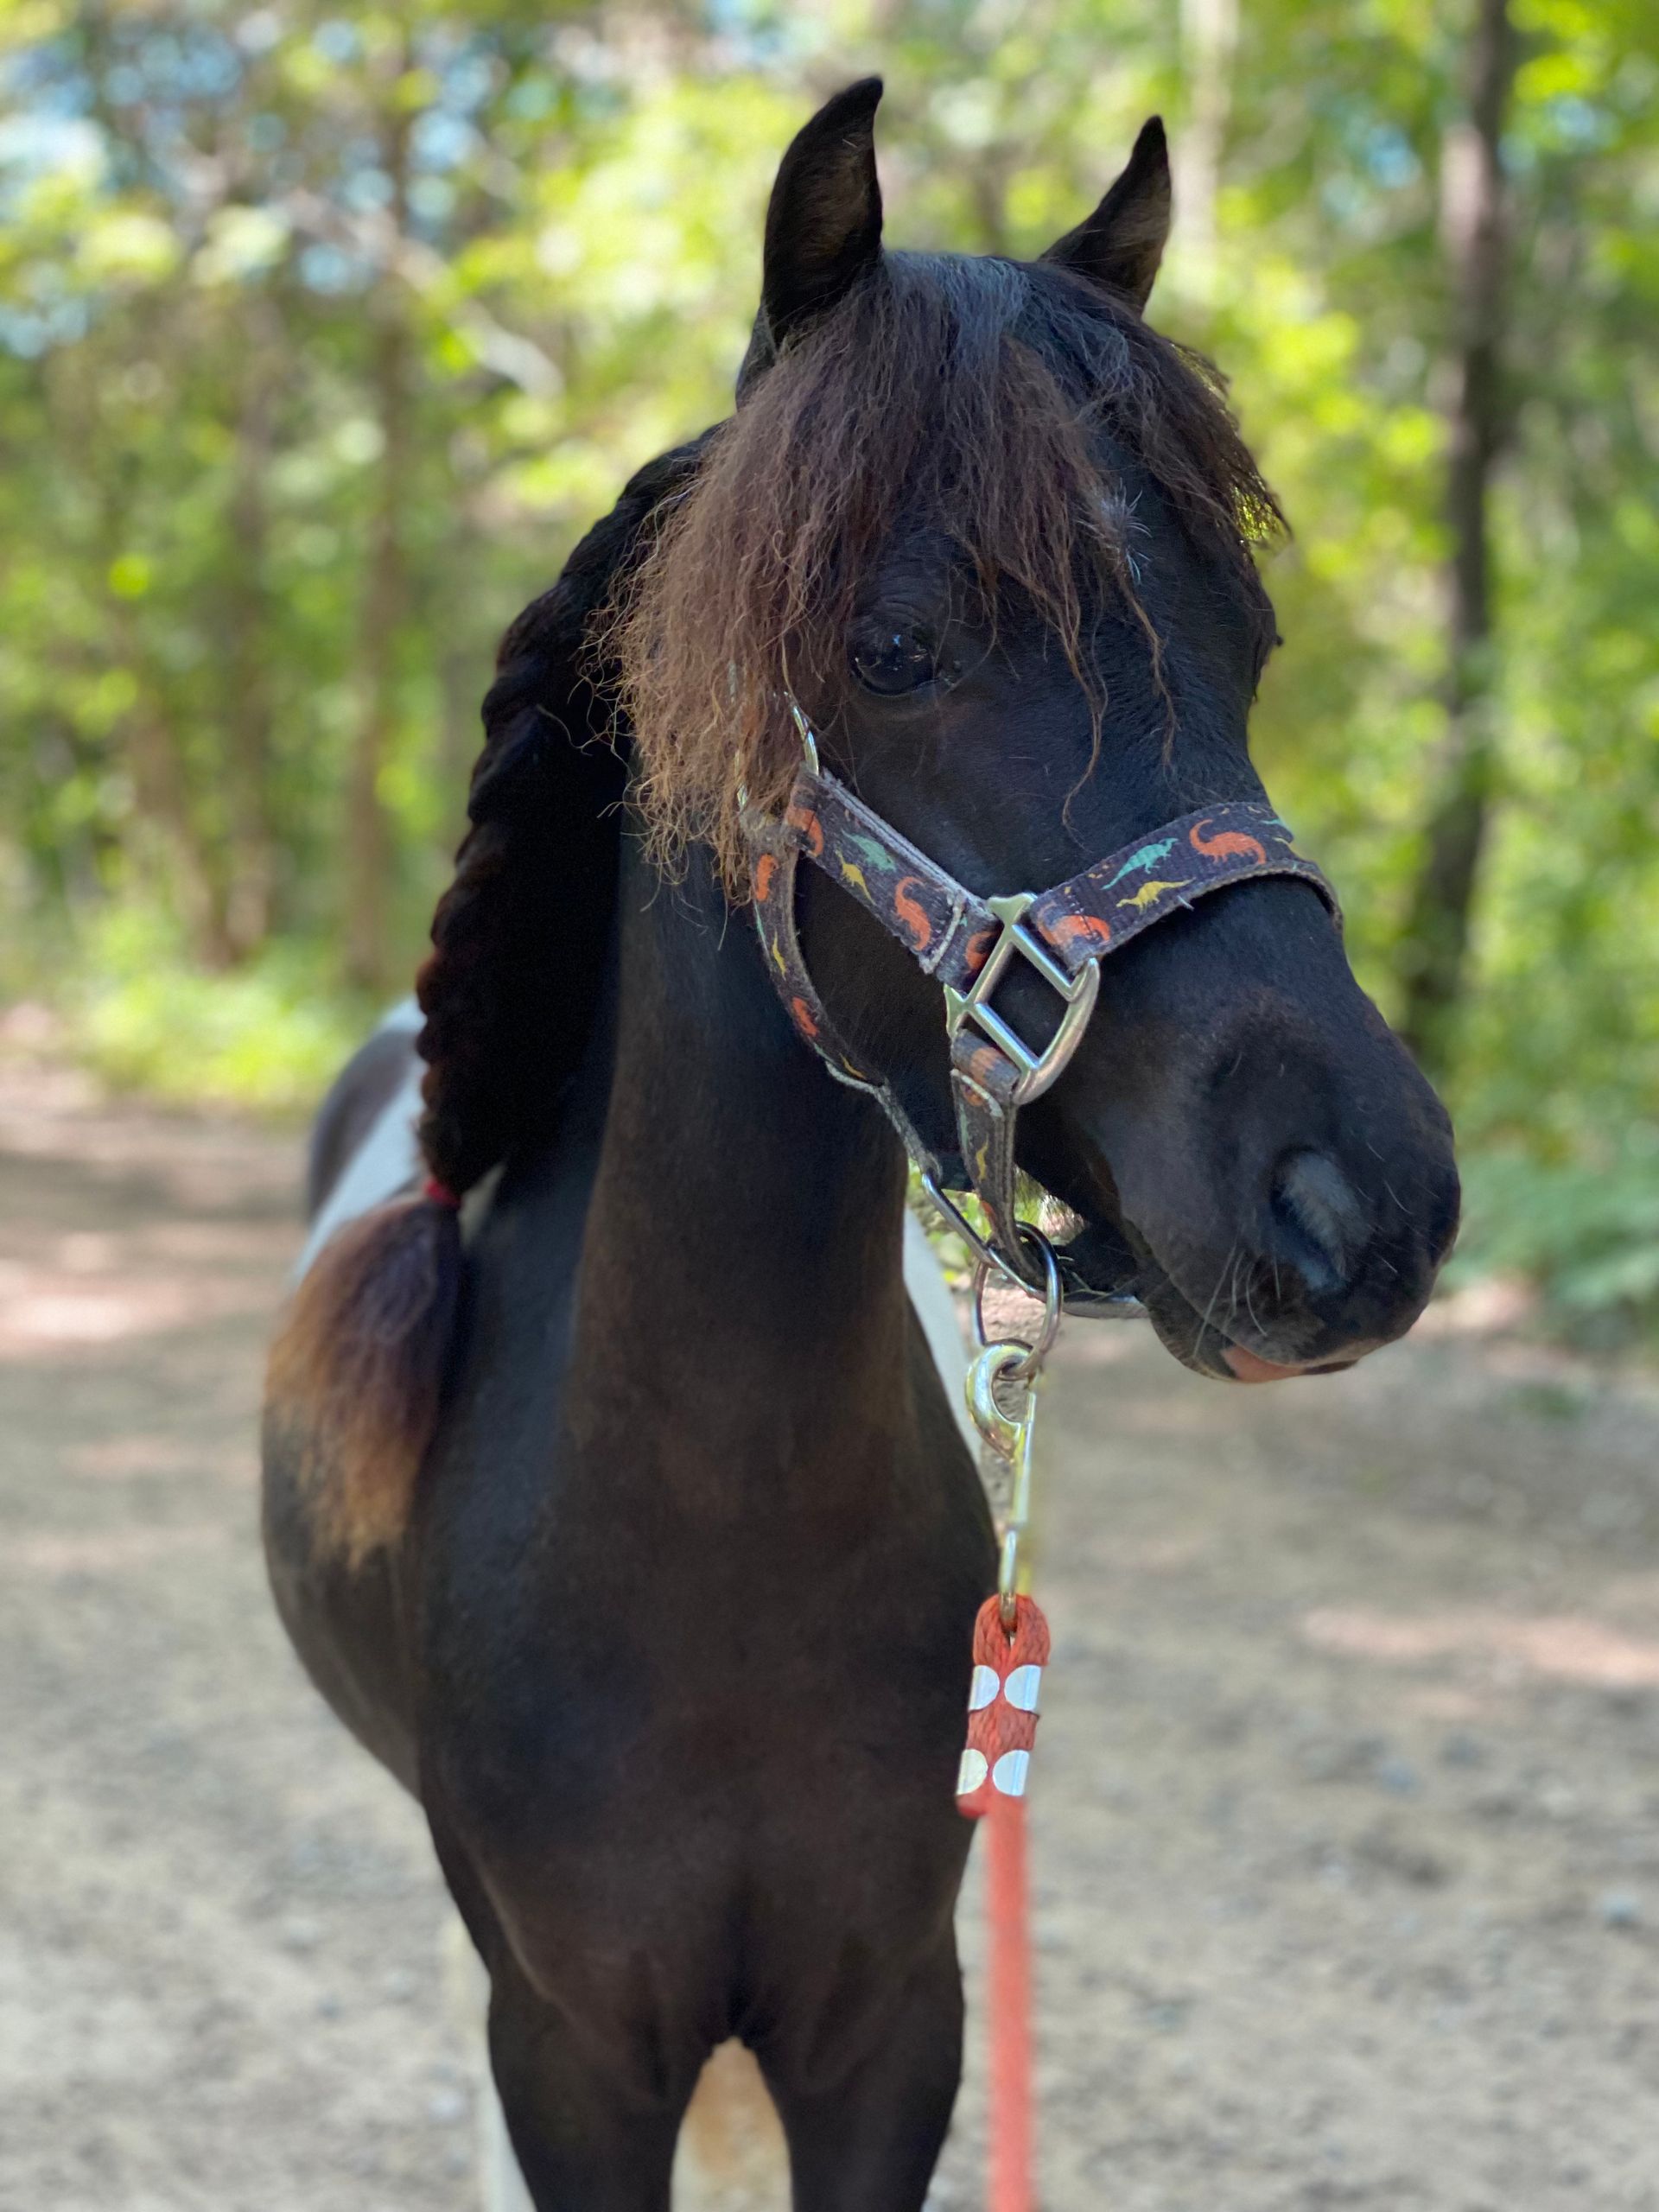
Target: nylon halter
{"x":968,"y":944}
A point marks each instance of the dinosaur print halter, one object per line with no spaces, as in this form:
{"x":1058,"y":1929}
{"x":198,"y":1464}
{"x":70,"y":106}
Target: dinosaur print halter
{"x":968,"y":943}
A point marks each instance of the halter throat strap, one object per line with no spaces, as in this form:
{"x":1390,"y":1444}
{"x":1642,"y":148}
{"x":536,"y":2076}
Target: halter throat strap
{"x":968,"y":943}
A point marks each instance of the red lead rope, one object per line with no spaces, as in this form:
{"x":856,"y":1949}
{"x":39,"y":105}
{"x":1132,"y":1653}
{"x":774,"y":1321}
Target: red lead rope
{"x":1001,"y":1730}
{"x":1008,"y":1918}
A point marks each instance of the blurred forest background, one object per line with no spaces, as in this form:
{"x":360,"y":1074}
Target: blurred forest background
{"x":325,"y":330}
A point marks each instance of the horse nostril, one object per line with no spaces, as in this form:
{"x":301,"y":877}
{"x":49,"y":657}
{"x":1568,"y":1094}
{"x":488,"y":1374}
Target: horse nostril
{"x":1320,"y":1218}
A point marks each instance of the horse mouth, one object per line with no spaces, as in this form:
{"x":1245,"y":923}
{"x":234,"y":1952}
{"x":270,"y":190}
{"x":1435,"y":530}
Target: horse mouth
{"x":1197,"y":1338}
{"x":1121,"y":1263}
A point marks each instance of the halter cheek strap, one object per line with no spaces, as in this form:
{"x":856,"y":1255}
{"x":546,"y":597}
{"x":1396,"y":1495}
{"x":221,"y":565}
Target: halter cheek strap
{"x":968,"y":944}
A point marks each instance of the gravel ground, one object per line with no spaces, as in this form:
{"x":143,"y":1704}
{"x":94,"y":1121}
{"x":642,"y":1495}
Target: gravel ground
{"x":1346,"y":1807}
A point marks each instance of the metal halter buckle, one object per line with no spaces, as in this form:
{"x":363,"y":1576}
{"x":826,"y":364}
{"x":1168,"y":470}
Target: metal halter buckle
{"x":1037,"y":1070}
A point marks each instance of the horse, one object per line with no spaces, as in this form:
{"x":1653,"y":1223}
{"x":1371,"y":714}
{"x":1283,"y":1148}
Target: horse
{"x":612,"y":1495}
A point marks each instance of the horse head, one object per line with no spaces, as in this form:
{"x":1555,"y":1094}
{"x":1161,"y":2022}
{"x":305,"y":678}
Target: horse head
{"x":996,"y":539}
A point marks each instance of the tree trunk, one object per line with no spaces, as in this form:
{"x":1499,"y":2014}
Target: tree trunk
{"x":175,"y":862}
{"x":988,"y":185}
{"x":172,"y":854}
{"x":164,"y":838}
{"x":385,"y":598}
{"x":462,"y":674}
{"x":1209,"y":45}
{"x":1433,"y":957}
{"x":249,"y":707}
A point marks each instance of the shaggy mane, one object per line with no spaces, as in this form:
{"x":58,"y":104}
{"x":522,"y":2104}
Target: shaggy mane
{"x":960,"y":395}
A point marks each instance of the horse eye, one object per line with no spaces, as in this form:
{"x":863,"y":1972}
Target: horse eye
{"x":893,"y":660}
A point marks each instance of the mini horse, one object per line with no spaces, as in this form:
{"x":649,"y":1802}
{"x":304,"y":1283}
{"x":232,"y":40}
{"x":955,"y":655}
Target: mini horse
{"x":631,"y":1529}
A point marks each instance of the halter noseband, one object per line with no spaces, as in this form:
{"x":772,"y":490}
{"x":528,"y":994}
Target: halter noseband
{"x":968,"y":943}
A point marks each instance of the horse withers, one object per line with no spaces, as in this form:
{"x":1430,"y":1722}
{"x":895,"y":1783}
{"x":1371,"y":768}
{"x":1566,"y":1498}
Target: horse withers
{"x":629,"y":1524}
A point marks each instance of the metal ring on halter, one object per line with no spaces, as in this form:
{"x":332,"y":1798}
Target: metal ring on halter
{"x":804,"y":730}
{"x":1039,"y":1351}
{"x":956,"y":1220}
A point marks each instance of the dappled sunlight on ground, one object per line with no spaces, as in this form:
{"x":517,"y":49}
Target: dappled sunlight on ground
{"x":1570,"y":1647}
{"x":46,"y":1309}
{"x":113,"y":1551}
{"x":41,"y":1311}
{"x":125,"y":1272}
{"x":126,"y":1458}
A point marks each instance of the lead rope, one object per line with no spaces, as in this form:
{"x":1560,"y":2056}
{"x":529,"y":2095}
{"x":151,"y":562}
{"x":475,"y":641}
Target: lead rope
{"x":1011,"y":1647}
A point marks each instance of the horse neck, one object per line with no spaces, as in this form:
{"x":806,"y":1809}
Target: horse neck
{"x":743,"y":1239}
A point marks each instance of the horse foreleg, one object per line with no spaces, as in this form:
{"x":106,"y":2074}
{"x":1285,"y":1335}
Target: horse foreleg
{"x":502,"y":2185}
{"x":587,"y":2138}
{"x":869,"y":2141}
{"x":467,"y":1991}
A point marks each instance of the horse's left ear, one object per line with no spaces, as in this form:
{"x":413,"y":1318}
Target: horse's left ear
{"x":1123,"y":242}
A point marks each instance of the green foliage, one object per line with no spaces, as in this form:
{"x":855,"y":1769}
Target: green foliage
{"x":270,"y":1037}
{"x":1588,"y":1229}
{"x":323,"y":332}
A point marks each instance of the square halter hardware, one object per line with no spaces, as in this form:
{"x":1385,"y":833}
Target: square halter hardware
{"x":1038,"y":1070}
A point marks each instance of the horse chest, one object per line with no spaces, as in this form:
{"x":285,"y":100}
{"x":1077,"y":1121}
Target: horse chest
{"x":646,"y":1709}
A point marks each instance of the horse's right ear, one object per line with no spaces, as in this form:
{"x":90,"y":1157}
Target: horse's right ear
{"x":824,"y":225}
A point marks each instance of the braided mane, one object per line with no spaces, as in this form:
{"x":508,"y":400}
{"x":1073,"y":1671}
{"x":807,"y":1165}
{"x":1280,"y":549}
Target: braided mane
{"x":509,"y":991}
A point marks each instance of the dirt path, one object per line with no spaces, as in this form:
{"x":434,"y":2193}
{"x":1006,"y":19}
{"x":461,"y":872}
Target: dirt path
{"x":1346,"y":1807}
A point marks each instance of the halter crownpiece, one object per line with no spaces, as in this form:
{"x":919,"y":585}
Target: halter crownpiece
{"x":968,"y":943}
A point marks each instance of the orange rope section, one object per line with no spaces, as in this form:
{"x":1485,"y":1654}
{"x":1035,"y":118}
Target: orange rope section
{"x":1007,"y":1912}
{"x":1002,"y":1705}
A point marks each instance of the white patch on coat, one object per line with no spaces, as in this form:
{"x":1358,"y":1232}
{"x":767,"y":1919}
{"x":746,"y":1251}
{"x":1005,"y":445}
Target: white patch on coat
{"x":388,"y":1160}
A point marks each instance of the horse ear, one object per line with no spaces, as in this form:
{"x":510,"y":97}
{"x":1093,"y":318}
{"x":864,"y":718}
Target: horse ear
{"x":824,"y":225}
{"x":1123,"y":242}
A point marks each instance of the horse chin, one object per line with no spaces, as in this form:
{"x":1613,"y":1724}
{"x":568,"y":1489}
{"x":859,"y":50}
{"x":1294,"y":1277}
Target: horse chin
{"x":1192,"y":1338}
{"x":1112,"y":1256}
{"x":1181,"y":1328}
